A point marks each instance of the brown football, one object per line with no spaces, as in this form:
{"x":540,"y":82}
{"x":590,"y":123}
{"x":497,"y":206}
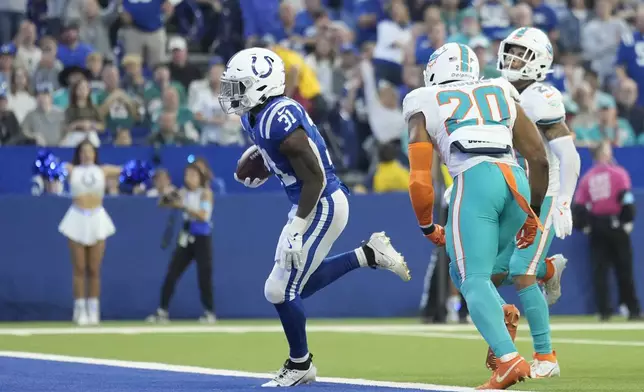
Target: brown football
{"x":251,"y":165}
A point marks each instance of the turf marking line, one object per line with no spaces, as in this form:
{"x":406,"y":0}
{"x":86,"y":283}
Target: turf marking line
{"x":240,"y":329}
{"x":461,"y":336}
{"x":220,"y":372}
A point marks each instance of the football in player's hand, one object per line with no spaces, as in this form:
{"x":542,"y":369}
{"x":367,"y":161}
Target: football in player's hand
{"x":251,"y":165}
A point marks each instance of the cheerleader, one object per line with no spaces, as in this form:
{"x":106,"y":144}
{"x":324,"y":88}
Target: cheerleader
{"x":194,"y":242}
{"x":86,"y":226}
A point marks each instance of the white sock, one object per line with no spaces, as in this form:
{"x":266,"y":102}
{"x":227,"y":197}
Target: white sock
{"x":92,"y":305}
{"x":509,"y":357}
{"x":80,"y":304}
{"x":300,"y":360}
{"x":362,"y":258}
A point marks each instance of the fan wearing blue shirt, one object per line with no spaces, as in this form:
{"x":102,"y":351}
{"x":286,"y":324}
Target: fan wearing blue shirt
{"x":71,"y":51}
{"x":630,"y":56}
{"x":427,"y":44}
{"x":145,"y":32}
{"x":260,"y":18}
{"x":495,"y":18}
{"x":368,"y":13}
{"x":545,"y":18}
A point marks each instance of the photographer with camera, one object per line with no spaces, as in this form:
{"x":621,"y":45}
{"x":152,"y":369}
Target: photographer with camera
{"x":195,"y":200}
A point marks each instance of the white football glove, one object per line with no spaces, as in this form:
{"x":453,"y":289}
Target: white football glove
{"x":562,"y":218}
{"x":448,"y":194}
{"x":250,"y":183}
{"x":291,"y":256}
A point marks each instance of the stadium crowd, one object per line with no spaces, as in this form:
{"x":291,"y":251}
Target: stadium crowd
{"x":122,"y":72}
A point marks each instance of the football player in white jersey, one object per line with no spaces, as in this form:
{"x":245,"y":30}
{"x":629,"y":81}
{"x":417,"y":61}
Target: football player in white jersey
{"x":525,"y":57}
{"x":475,"y":124}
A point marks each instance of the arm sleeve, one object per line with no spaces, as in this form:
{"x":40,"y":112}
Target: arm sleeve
{"x":569,"y":165}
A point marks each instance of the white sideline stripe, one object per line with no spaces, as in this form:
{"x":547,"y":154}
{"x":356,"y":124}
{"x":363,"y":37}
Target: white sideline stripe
{"x":591,"y":342}
{"x":220,"y":372}
{"x":161,"y":329}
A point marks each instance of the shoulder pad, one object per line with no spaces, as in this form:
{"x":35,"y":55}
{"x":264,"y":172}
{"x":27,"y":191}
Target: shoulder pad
{"x":416,"y":101}
{"x":280,"y":119}
{"x":507,"y":86}
{"x":543,"y":104}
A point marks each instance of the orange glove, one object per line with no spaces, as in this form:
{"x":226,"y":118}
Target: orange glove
{"x":437,"y":235}
{"x":528,"y":232}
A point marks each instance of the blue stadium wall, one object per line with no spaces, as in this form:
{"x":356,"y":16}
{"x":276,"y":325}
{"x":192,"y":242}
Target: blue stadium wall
{"x":35,"y":271}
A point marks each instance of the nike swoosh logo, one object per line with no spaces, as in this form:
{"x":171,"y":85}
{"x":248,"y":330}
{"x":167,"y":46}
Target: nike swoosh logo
{"x":549,"y":95}
{"x":500,"y":379}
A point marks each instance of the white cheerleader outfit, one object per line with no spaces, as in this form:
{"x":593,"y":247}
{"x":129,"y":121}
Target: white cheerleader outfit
{"x":86,"y":226}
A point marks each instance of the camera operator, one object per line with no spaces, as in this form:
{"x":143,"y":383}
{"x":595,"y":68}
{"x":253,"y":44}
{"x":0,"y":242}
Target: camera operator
{"x":195,"y":200}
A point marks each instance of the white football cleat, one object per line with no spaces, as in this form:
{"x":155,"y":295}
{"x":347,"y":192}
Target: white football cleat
{"x":387,"y":257}
{"x":208,"y":318}
{"x":553,"y":286}
{"x":93,"y":318}
{"x":83,"y":319}
{"x":158,"y":317}
{"x":544,"y":369}
{"x":288,"y":377}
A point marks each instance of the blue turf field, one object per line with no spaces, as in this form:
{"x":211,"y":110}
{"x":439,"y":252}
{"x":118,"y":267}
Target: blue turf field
{"x":29,"y":375}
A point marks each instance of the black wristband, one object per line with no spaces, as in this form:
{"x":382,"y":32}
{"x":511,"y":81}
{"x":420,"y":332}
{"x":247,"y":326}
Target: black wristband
{"x":429,"y":229}
{"x":536,"y":209}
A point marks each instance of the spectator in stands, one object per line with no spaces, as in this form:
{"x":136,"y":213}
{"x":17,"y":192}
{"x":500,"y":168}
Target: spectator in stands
{"x":601,"y":37}
{"x":628,"y":108}
{"x":287,"y":35}
{"x":324,"y":62}
{"x":169,"y":133}
{"x":28,"y":54}
{"x":630,"y":56}
{"x":605,"y":209}
{"x":260,"y":17}
{"x":216,"y":126}
{"x":134,"y":81}
{"x":390,"y":175}
{"x":572,"y":24}
{"x":309,"y":20}
{"x":123,"y":138}
{"x":68,"y":77}
{"x":10,"y":132}
{"x":487,"y":61}
{"x":162,"y":184}
{"x":94,"y":65}
{"x":452,"y":15}
{"x":180,"y":69}
{"x":95,"y":24}
{"x":183,"y":116}
{"x":7,"y":53}
{"x":368,"y":13}
{"x":82,"y":119}
{"x":48,"y":68}
{"x":495,"y":17}
{"x":393,"y":36}
{"x":412,"y":79}
{"x":71,"y":51}
{"x":545,"y":18}
{"x":385,"y":117}
{"x":144,"y":30}
{"x":44,"y":124}
{"x":469,"y":29}
{"x":115,"y":105}
{"x":12,"y":12}
{"x":20,"y":99}
{"x":56,"y":9}
{"x":197,"y":86}
{"x":154,"y":89}
{"x":521,"y":16}
{"x":431,"y":37}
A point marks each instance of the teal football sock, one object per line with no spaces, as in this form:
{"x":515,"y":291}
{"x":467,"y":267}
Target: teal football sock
{"x":487,"y":314}
{"x":497,"y":294}
{"x":535,"y":310}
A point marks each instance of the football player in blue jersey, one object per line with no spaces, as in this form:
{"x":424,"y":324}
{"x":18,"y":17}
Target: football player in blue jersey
{"x":253,"y":86}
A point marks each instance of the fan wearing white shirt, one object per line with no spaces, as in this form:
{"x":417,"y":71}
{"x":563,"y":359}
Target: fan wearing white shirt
{"x":21,"y":101}
{"x":28,"y":54}
{"x":393,"y":37}
{"x":216,"y":126}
